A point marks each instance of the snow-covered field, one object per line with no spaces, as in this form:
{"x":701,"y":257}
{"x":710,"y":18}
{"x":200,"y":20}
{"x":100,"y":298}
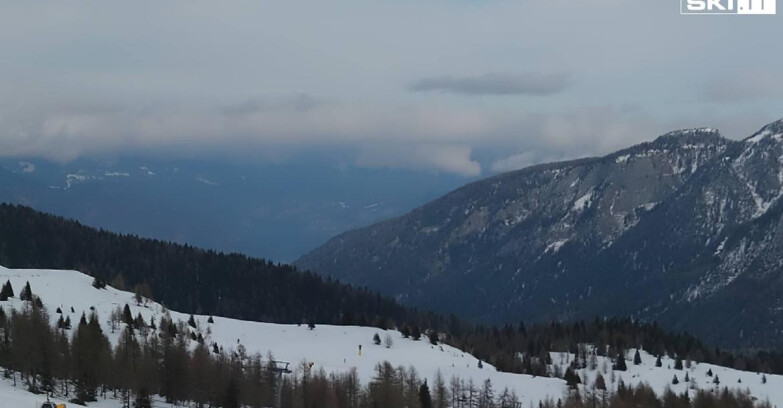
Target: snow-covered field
{"x":335,"y":348}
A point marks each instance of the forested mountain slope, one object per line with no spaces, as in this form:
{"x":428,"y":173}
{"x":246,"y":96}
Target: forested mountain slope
{"x":685,"y":230}
{"x":187,"y":278}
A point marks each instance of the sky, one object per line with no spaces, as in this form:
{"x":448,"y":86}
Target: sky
{"x":463,"y":87}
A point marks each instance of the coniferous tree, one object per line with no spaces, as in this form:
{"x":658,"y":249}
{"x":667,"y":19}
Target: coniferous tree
{"x":142,"y":399}
{"x":678,"y":363}
{"x":98,"y":283}
{"x":26,"y":293}
{"x":675,"y":381}
{"x":433,"y":336}
{"x":571,"y":378}
{"x":425,"y":400}
{"x":376,"y":339}
{"x":637,"y":358}
{"x":620,"y":362}
{"x":416,"y":335}
{"x":6,"y":292}
{"x":127,"y":316}
{"x":658,"y":362}
{"x":192,"y":322}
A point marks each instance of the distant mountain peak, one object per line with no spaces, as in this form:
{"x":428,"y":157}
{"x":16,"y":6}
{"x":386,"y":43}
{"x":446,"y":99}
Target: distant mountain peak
{"x":772,"y":131}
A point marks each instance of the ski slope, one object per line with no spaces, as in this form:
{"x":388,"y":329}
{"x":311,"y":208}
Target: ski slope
{"x":333,"y":348}
{"x":336,"y":348}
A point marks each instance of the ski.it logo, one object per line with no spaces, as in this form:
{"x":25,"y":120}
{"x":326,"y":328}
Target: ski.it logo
{"x":730,"y":7}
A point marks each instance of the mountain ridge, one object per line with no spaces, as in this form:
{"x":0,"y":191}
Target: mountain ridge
{"x":634,"y":232}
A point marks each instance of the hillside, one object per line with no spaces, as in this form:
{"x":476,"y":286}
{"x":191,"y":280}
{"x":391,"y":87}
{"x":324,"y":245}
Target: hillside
{"x":684,"y":230}
{"x":333,"y":349}
{"x":187,"y":278}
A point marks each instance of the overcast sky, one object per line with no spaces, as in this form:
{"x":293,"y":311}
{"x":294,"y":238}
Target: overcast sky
{"x":466,"y":87}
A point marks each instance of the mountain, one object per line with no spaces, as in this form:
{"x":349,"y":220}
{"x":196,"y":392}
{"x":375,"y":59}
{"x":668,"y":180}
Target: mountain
{"x":275,"y":210}
{"x":686,"y":230}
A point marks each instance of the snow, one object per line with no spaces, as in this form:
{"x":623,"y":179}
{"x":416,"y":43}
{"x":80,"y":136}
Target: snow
{"x":622,"y":159}
{"x":335,"y":348}
{"x":764,"y":134}
{"x":583,"y":201}
{"x":660,"y":378}
{"x":555,"y":246}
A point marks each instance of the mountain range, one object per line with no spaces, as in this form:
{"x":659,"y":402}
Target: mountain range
{"x":685,"y":230}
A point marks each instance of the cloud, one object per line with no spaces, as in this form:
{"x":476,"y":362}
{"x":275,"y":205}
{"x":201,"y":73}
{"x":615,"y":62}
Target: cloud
{"x":495,"y":84}
{"x":448,"y":158}
{"x":514,"y":162}
{"x":750,"y":86}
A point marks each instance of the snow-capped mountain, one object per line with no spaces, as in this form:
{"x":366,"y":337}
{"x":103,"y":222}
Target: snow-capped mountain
{"x":685,"y":230}
{"x":335,"y":348}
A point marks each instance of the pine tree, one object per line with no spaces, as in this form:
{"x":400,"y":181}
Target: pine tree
{"x":376,"y":339}
{"x":142,"y":399}
{"x":311,"y":325}
{"x":192,"y":322}
{"x":210,"y":320}
{"x":687,"y":377}
{"x":416,"y":334}
{"x":763,"y":378}
{"x":127,"y":316}
{"x":424,"y":395}
{"x":637,"y":358}
{"x":433,"y":337}
{"x":6,"y":292}
{"x":98,"y":283}
{"x":675,"y":381}
{"x":571,"y":378}
{"x":26,"y":293}
{"x":658,"y":362}
{"x":709,"y":373}
{"x":678,"y":363}
{"x":620,"y":363}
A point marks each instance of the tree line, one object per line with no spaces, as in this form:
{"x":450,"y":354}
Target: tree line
{"x":168,"y":359}
{"x":201,"y":281}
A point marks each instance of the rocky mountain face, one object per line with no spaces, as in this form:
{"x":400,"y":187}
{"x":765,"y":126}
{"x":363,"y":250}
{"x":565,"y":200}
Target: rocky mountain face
{"x":686,"y":230}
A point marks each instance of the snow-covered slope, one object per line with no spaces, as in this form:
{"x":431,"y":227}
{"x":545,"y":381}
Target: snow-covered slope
{"x":661,"y":378}
{"x":335,"y":348}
